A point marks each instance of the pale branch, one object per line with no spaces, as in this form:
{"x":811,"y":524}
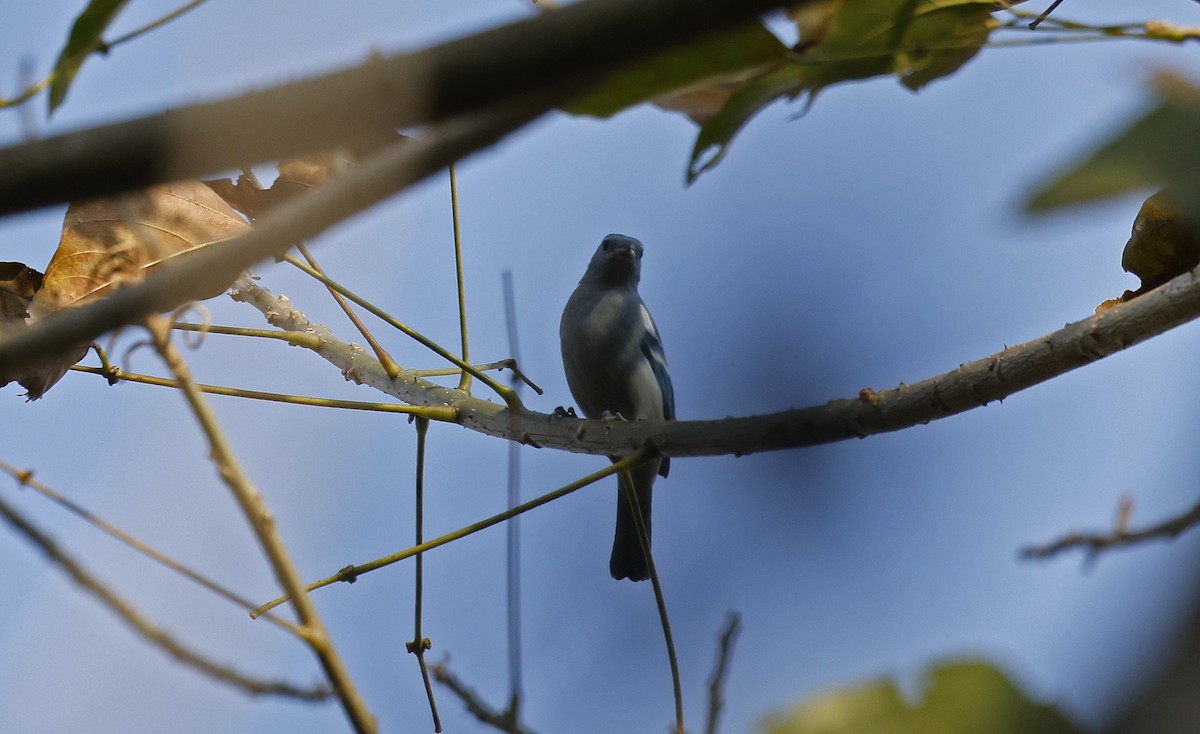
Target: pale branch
{"x":972,"y":385}
{"x":505,"y":721}
{"x":716,"y":684}
{"x":262,"y":522}
{"x":569,"y":48}
{"x":205,"y":271}
{"x":153,"y":634}
{"x":1119,"y":536}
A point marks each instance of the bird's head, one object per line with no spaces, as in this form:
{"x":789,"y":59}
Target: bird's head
{"x":618,"y":261}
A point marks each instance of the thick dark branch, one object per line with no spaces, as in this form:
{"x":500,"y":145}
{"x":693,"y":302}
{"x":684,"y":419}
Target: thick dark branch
{"x":572,"y":46}
{"x":206,"y":271}
{"x":972,"y":385}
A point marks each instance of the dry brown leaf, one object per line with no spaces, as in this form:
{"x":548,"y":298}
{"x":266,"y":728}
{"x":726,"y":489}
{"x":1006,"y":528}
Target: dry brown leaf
{"x":117,"y":240}
{"x":18,"y":284}
{"x":296,"y":176}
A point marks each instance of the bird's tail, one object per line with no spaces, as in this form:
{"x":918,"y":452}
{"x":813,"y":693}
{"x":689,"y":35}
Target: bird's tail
{"x":627,"y":560}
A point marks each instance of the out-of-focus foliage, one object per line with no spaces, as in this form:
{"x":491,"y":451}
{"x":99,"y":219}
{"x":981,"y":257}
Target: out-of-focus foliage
{"x":957,"y":697}
{"x":1161,"y":148}
{"x":84,"y":39}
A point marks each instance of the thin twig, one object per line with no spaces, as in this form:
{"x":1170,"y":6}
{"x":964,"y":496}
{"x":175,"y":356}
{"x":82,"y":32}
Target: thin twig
{"x":716,"y":684}
{"x":26,"y":479}
{"x":1094,"y":543}
{"x":420,"y":643}
{"x":513,"y":529}
{"x":432,"y":412}
{"x":1045,"y":14}
{"x":153,"y":634}
{"x":263,"y":524}
{"x":464,"y":382}
{"x":350,"y":574}
{"x":626,"y":483}
{"x":505,"y":393}
{"x":502,"y":721}
{"x":381,"y":354}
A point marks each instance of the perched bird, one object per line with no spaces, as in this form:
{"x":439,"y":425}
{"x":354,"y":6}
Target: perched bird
{"x":616,"y":368}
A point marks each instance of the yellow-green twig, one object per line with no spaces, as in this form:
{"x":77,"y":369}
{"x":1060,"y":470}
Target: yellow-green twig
{"x":305,"y":339}
{"x":385,"y":359}
{"x":419,"y":643}
{"x":351,"y":573}
{"x":630,"y":493}
{"x":506,"y":393}
{"x":444,"y":413}
{"x":464,"y":383}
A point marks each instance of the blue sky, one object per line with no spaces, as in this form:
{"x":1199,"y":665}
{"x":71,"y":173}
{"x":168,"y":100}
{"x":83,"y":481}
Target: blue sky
{"x":876,"y":240}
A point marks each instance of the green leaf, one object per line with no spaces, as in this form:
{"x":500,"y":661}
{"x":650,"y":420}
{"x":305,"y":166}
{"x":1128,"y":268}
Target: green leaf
{"x":1161,"y":148}
{"x":729,"y":57}
{"x":964,"y":696}
{"x":916,"y":40}
{"x":84,"y":39}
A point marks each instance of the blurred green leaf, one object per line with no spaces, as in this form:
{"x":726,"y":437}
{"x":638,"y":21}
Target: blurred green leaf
{"x":727,"y":58}
{"x":1162,"y":148}
{"x":958,"y":697}
{"x":917,"y":40}
{"x":84,"y":39}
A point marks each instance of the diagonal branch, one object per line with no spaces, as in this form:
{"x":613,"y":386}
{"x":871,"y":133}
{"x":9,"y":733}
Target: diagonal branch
{"x":572,"y":46}
{"x":972,"y":385}
{"x":206,"y":271}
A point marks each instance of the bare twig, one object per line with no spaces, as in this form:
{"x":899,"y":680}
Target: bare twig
{"x":431,"y":412}
{"x":626,"y":486}
{"x":261,"y":521}
{"x":420,"y":643}
{"x":26,"y":479}
{"x":505,"y":721}
{"x":464,"y":382}
{"x":381,"y":354}
{"x":716,"y":684}
{"x":1094,"y":543}
{"x":144,"y":628}
{"x":1044,"y":14}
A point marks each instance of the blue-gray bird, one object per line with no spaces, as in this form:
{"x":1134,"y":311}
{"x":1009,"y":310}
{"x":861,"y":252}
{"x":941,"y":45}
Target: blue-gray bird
{"x":615,"y":366}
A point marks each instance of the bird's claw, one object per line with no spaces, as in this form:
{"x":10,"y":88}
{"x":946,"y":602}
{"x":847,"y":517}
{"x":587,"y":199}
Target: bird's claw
{"x":561,"y":412}
{"x":609,"y":417}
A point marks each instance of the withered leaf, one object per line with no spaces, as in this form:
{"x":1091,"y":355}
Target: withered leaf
{"x":296,"y":176}
{"x":117,"y":240}
{"x":18,"y":284}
